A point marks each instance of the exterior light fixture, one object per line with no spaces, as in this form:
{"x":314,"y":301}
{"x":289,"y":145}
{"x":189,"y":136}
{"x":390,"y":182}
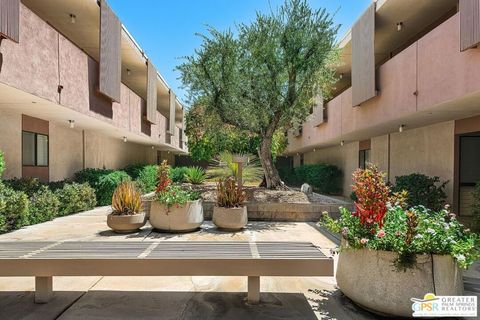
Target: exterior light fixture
{"x":73,"y":18}
{"x":153,"y":147}
{"x":314,"y":150}
{"x":129,"y":72}
{"x":401,"y":127}
{"x":340,"y":76}
{"x":124,"y":139}
{"x":399,"y":26}
{"x":342,"y":143}
{"x":72,"y":123}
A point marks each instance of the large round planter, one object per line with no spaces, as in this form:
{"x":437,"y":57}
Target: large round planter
{"x":369,"y":278}
{"x":184,"y":218}
{"x":147,"y":200}
{"x":126,"y":223}
{"x":232,"y":219}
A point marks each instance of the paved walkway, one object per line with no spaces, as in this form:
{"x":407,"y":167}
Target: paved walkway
{"x":179,"y":297}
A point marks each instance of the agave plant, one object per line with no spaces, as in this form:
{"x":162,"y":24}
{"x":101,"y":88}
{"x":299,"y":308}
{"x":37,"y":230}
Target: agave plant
{"x":228,"y":194}
{"x":126,"y":199}
{"x":223,"y":167}
{"x":195,"y":175}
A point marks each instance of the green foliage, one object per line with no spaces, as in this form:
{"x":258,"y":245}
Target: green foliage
{"x":229,"y":195}
{"x":324,"y":178}
{"x":422,"y":190}
{"x":476,"y":207}
{"x":195,"y":175}
{"x":14,"y":214}
{"x":223,"y":167}
{"x":147,"y":178}
{"x":44,"y":206}
{"x":265,"y":76}
{"x":134,"y":170}
{"x":175,"y":195}
{"x":103,"y":181}
{"x":410,"y":232}
{"x":177,"y":174}
{"x":75,"y":197}
{"x":28,"y":185}
{"x":2,"y":163}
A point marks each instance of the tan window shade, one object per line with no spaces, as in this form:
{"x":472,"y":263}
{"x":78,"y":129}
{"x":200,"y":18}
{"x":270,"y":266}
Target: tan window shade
{"x":10,"y":19}
{"x":171,"y":127}
{"x":469,"y":23}
{"x":110,"y":59}
{"x":363,"y":57}
{"x":151,"y":92}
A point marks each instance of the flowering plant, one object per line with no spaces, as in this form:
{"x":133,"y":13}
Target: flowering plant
{"x":407,"y":232}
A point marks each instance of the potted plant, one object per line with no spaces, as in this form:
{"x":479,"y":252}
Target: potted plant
{"x":230,"y":213}
{"x":175,"y":209}
{"x":127,"y":214}
{"x":390,"y":253}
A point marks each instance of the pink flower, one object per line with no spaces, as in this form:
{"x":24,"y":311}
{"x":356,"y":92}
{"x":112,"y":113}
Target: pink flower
{"x":363,"y":241}
{"x":381,"y":234}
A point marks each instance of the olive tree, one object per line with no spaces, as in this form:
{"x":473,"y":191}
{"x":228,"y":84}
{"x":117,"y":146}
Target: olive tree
{"x":264,"y":76}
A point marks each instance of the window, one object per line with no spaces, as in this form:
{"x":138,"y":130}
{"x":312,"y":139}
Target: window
{"x":34,"y":149}
{"x":363,"y":158}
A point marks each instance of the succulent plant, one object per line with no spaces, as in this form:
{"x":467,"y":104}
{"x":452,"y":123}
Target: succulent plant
{"x":126,"y":199}
{"x":228,"y":194}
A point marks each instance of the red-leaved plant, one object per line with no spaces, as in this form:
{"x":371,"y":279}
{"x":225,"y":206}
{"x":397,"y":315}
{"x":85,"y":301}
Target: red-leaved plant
{"x":372,"y":196}
{"x":163,"y":179}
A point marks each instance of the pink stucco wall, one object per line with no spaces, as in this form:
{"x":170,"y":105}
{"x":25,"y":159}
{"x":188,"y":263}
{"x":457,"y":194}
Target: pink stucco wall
{"x":45,"y":59}
{"x":433,"y":67}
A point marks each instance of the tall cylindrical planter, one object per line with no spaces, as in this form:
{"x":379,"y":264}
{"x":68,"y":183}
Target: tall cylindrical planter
{"x":369,"y":278}
{"x":181,"y":218}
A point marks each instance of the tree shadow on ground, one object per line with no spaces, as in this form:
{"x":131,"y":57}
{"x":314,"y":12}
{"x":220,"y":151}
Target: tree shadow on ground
{"x":155,"y":305}
{"x":335,"y":305}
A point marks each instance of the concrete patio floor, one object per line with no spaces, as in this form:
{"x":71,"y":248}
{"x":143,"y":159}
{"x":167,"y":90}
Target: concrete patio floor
{"x":174,"y":297}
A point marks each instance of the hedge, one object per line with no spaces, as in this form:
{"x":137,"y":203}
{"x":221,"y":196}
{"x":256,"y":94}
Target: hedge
{"x":324,"y":178}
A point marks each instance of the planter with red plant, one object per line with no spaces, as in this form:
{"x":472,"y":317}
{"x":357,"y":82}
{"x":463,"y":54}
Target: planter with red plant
{"x":230,"y":213}
{"x":391,"y":254}
{"x":175,"y":209}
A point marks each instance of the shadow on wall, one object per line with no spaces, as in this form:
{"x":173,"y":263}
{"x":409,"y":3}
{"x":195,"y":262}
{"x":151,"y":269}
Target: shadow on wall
{"x":98,"y":102}
{"x":155,"y":305}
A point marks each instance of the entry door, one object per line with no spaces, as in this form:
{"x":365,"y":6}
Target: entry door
{"x":469,"y":171}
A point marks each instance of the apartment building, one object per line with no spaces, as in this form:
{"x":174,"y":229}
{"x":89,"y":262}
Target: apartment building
{"x":77,"y":91}
{"x":407,"y":99}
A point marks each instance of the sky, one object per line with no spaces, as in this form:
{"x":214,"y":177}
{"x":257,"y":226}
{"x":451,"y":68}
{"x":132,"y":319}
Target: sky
{"x":166,"y":29}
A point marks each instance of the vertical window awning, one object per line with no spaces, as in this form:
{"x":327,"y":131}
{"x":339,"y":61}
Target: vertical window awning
{"x":469,"y":23}
{"x":10,"y":19}
{"x":151,"y":92}
{"x":363,"y":57}
{"x":110,"y":57}
{"x":171,"y":127}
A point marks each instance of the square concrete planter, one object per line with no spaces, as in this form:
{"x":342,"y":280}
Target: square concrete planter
{"x":369,"y":278}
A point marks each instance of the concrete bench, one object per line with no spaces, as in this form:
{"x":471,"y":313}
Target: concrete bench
{"x":44,"y":260}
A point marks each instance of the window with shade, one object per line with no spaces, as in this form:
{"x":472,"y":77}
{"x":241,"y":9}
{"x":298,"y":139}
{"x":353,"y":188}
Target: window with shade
{"x":363,"y":158}
{"x":34,"y":149}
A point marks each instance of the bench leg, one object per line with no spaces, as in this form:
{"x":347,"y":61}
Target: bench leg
{"x":43,"y":289}
{"x":253,"y":290}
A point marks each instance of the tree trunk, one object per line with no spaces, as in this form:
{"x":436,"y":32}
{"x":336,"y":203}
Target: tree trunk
{"x":272,"y":178}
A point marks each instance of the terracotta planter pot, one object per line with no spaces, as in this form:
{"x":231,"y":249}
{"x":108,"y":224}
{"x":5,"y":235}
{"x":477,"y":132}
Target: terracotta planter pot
{"x":230,"y":218}
{"x":187,"y":217}
{"x":126,"y":223}
{"x":369,"y":278}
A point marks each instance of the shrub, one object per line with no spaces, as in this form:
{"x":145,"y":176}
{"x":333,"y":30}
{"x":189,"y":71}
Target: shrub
{"x":178,"y":174}
{"x":126,"y":199}
{"x":55,"y":185}
{"x":147,"y":178}
{"x":195,"y":175}
{"x":163,"y":176}
{"x":175,"y":195}
{"x":476,"y":207}
{"x":134,"y":170}
{"x":223,"y":167}
{"x":103,"y":181}
{"x":28,"y":185}
{"x":228,"y":195}
{"x":75,"y":197}
{"x":15,"y":208}
{"x":324,"y":178}
{"x":422,"y":190}
{"x":2,"y":163}
{"x":44,"y":206}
